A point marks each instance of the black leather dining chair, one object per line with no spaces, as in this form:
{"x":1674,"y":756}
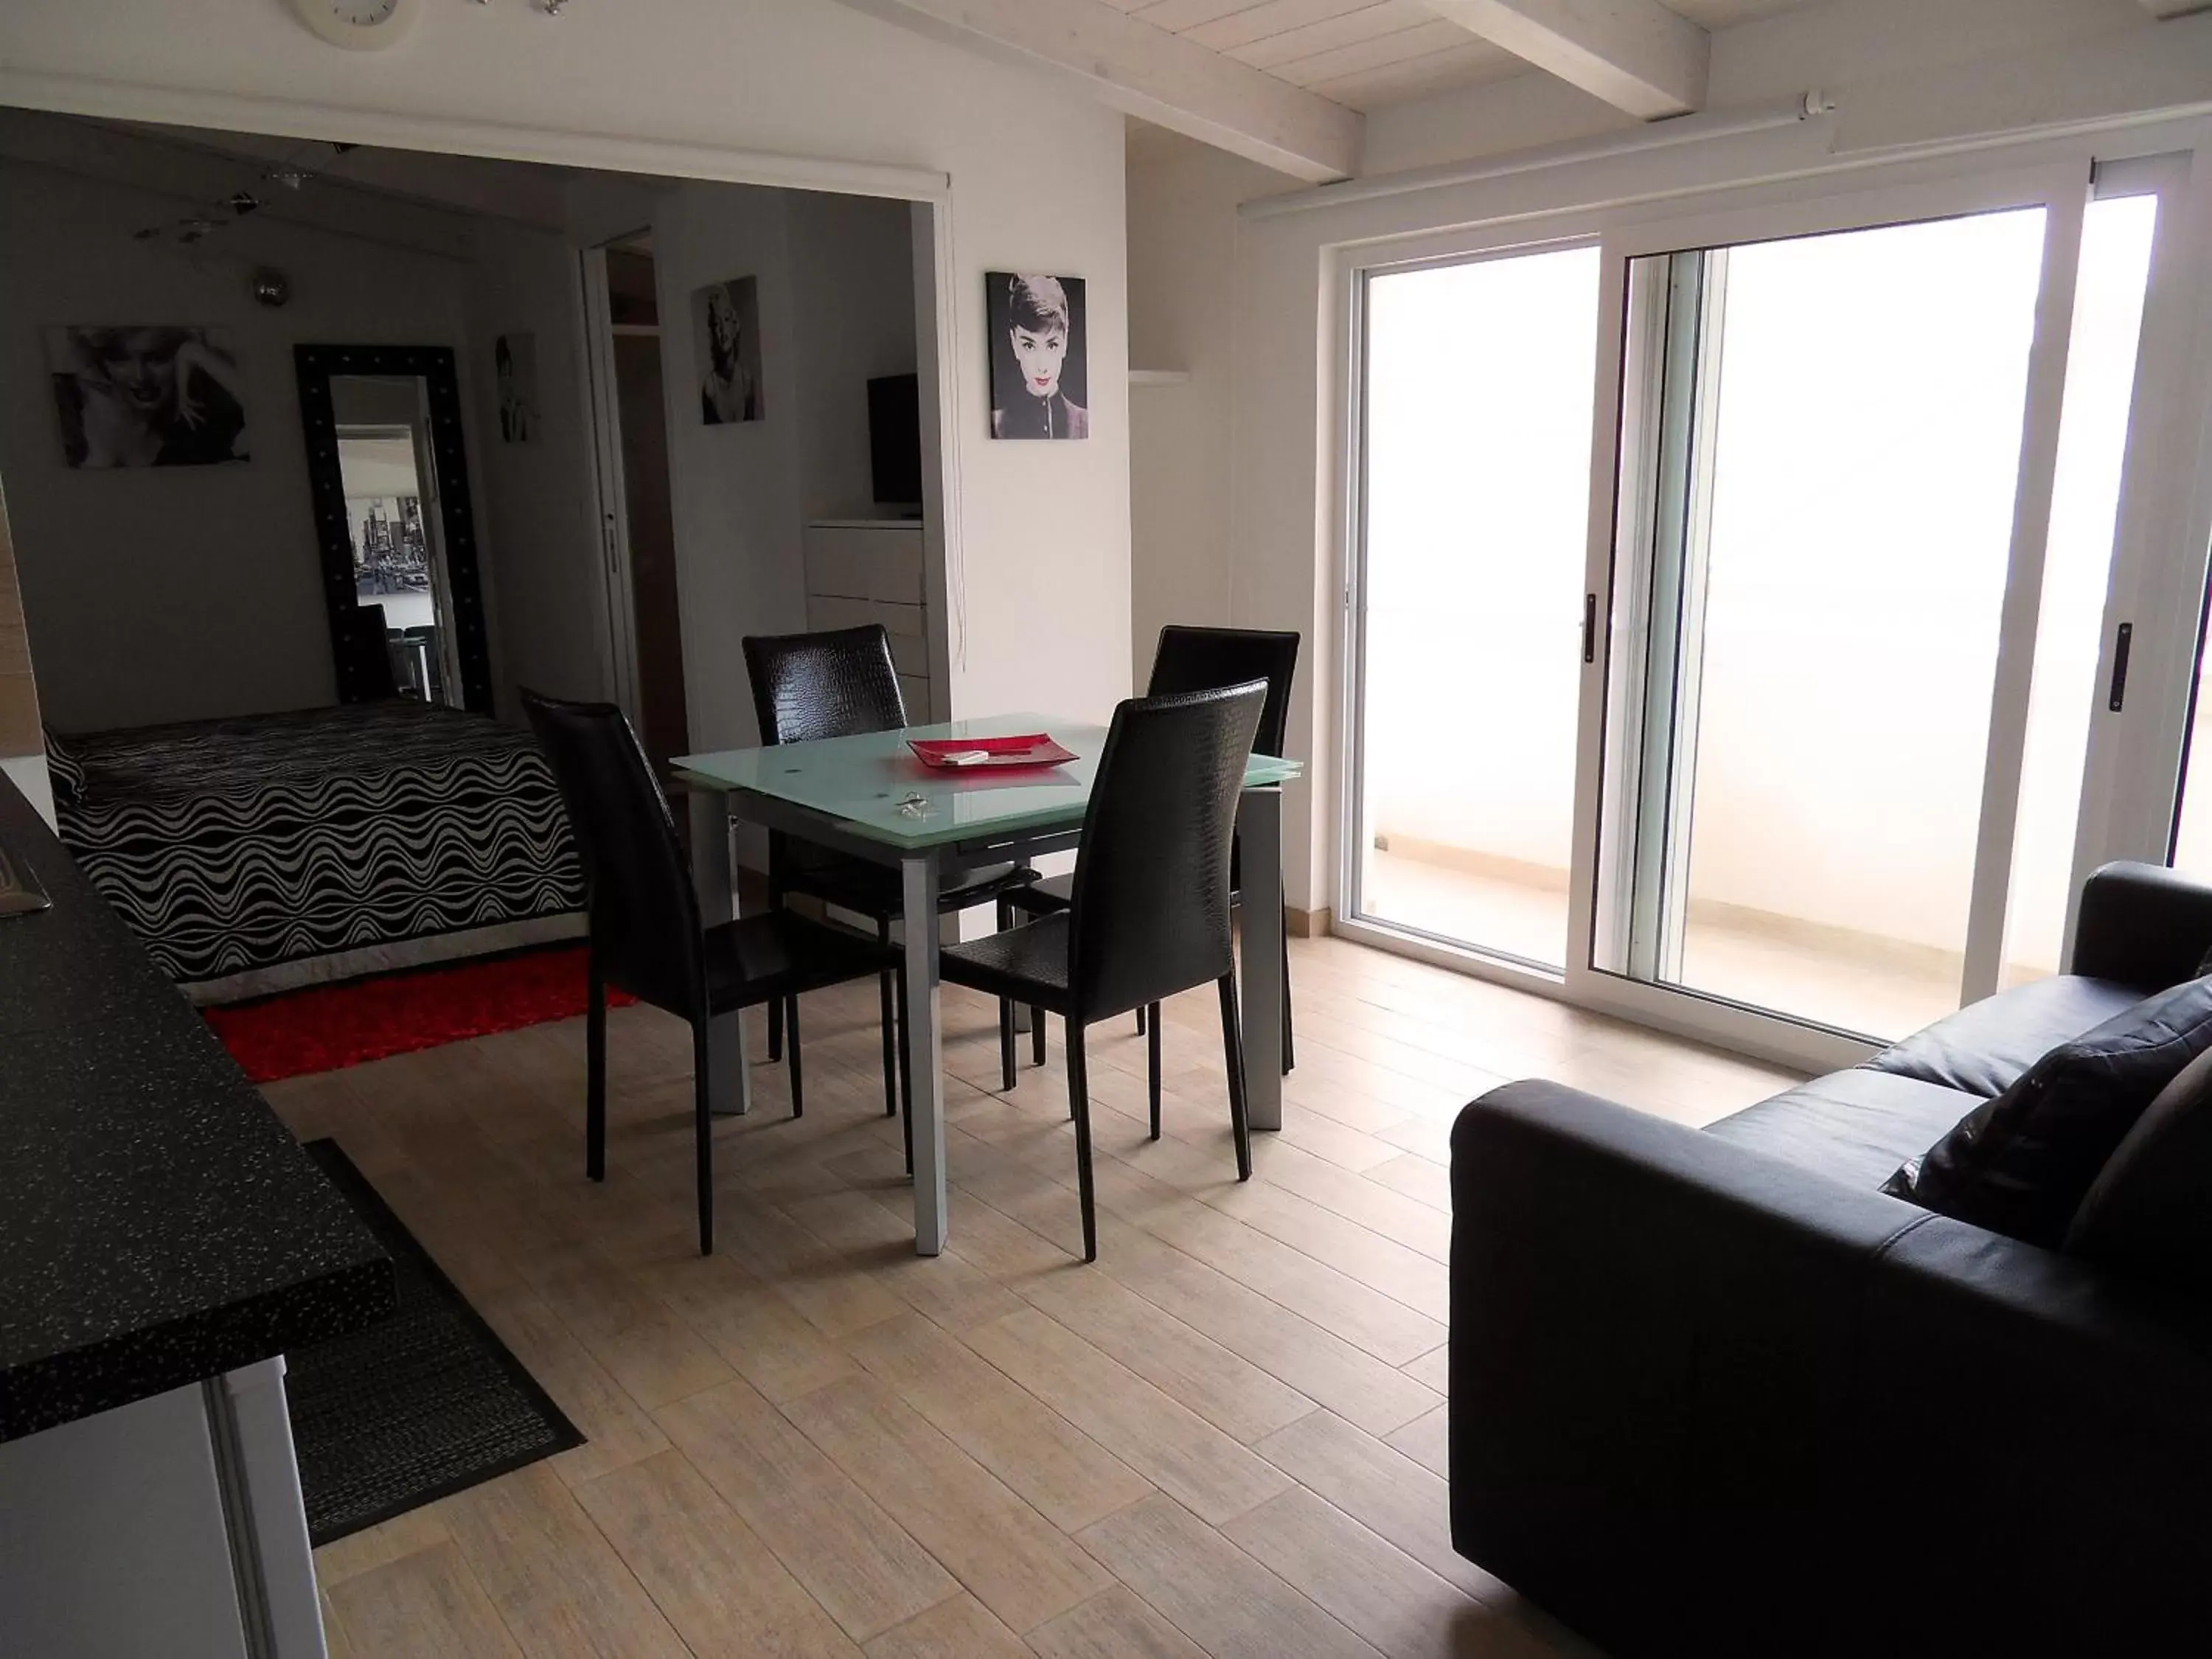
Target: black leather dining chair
{"x":1194,"y":659}
{"x":1148,"y":909}
{"x":842,"y":684}
{"x":646,"y":937}
{"x":364,"y":655}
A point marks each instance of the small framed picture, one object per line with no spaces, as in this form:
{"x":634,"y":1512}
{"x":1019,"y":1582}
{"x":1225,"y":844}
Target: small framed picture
{"x":514,"y":365}
{"x":725,"y":335}
{"x":1040,"y":355}
{"x":146,"y":395}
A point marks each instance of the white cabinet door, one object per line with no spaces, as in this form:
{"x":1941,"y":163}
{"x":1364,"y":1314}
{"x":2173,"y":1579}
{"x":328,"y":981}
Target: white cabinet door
{"x":114,"y":1540}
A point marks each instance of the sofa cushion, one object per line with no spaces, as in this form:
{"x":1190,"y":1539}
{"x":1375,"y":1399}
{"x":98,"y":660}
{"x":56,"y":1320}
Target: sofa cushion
{"x":1987,"y":1045}
{"x":1854,"y":1126}
{"x":2149,"y":1213}
{"x":2021,"y":1165}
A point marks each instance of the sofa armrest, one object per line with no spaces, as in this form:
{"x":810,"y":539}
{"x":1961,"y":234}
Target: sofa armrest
{"x":2044,"y":1429}
{"x":2143,"y":924}
{"x":1650,"y":1341}
{"x":1696,"y":1391}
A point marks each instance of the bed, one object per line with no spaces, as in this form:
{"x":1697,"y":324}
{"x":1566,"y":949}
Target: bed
{"x":257,"y":855}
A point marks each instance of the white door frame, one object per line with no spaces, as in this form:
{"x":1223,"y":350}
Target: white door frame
{"x":1355,"y":269}
{"x":2132,"y":782}
{"x":609,"y":484}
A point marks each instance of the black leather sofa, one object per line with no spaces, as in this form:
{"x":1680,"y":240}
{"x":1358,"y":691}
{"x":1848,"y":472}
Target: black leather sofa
{"x":1713,"y":1393}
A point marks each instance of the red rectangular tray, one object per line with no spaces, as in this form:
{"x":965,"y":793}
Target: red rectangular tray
{"x":997,"y":754}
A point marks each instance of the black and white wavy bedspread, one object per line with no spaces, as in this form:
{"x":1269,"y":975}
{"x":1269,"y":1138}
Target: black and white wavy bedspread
{"x":238,"y":844}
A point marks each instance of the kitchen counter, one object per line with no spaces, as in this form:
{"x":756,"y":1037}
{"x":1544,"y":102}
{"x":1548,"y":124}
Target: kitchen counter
{"x":159,"y":1226}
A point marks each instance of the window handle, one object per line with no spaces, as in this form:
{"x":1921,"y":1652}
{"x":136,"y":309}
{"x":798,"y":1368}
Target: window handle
{"x":1590,"y":628}
{"x":2120,"y":644}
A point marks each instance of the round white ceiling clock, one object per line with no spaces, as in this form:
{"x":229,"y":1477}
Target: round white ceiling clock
{"x":360,"y":25}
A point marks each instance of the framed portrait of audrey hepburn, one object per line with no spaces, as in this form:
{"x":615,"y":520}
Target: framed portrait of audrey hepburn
{"x":1040,"y":355}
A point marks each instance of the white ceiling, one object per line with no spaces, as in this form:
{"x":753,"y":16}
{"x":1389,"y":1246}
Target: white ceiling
{"x":1368,"y":53}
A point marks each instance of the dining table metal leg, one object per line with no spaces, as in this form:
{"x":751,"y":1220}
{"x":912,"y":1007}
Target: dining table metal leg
{"x":1259,"y":827}
{"x":713,"y":879}
{"x":729,"y":1083}
{"x":713,"y":875}
{"x":925,"y":1055}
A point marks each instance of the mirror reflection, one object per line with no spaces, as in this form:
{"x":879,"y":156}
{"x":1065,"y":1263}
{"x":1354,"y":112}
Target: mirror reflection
{"x":386,"y":459}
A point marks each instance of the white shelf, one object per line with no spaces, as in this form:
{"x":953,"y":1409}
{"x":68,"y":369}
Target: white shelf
{"x":1159,"y":376}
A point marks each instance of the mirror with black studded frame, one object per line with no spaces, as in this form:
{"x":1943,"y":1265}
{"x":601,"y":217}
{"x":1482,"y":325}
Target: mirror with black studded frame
{"x":388,"y":472}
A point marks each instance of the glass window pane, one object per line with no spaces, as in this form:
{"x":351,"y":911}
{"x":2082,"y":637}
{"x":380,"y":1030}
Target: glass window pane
{"x":1476,"y":491}
{"x":1830,"y":532}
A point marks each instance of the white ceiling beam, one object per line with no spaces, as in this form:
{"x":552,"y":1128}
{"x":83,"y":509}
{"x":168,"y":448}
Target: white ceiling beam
{"x":1144,"y":70}
{"x":2175,"y":8}
{"x":1635,"y":54}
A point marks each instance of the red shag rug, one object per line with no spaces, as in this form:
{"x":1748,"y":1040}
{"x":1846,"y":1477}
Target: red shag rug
{"x":326,"y":1027}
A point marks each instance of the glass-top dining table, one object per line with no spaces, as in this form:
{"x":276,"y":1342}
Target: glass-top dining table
{"x":869,"y":798}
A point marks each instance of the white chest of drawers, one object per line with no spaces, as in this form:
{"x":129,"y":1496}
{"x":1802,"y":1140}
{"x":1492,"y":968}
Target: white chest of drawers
{"x":874,"y":570}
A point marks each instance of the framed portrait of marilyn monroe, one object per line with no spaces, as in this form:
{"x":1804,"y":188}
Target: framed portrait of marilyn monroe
{"x":132,"y":395}
{"x":725,"y":336}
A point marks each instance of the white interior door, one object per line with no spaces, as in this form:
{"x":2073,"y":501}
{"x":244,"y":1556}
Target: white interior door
{"x":605,"y":394}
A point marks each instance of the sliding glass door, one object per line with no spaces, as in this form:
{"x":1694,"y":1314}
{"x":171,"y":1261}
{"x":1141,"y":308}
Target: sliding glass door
{"x":1828,"y":517}
{"x":1868,"y":503}
{"x":1785,"y":710}
{"x":1476,"y":454}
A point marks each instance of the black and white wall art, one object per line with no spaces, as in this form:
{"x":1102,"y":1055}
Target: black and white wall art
{"x":725,"y":335}
{"x":146,"y":395}
{"x":514,"y":366}
{"x":1040,"y":355}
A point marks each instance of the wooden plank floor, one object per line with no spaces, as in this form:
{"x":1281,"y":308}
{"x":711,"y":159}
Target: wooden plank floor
{"x":1227,"y":1438}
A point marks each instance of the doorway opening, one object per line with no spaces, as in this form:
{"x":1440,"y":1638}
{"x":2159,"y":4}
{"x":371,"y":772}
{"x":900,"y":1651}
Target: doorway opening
{"x":628,"y":401}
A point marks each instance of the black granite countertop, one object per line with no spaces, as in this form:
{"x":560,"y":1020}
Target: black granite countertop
{"x":157,"y":1224}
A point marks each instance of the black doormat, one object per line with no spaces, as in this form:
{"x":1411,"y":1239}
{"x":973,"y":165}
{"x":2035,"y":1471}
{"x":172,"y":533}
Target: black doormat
{"x":428,"y":1403}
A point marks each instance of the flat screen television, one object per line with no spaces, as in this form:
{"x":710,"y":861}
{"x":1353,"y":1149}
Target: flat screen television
{"x":895,"y":438}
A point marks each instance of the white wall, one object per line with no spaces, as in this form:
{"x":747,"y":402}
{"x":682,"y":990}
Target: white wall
{"x":1039,"y":532}
{"x":736,"y":489}
{"x":182,"y":593}
{"x":836,"y":293}
{"x":1182,"y":317}
{"x":1902,"y":72}
{"x":851,"y":260}
{"x":835,"y":290}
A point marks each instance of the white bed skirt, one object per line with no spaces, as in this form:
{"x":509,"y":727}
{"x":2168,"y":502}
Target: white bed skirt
{"x":385,"y":958}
